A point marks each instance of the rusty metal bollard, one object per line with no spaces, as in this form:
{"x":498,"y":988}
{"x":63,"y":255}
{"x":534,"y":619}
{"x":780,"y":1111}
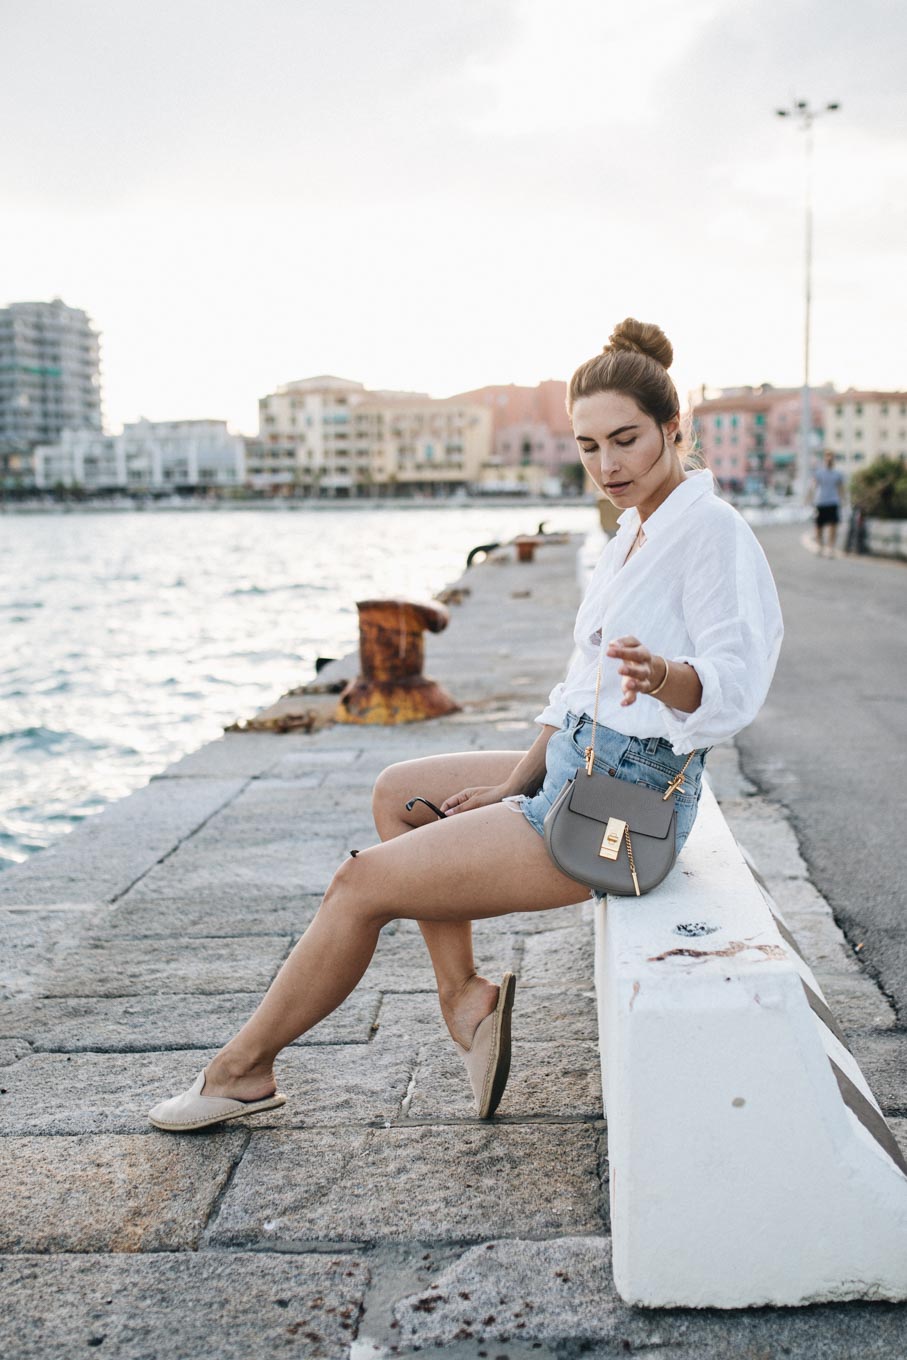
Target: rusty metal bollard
{"x":390,"y":687}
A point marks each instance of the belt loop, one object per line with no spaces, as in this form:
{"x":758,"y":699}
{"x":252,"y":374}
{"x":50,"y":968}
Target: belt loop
{"x":652,"y":746}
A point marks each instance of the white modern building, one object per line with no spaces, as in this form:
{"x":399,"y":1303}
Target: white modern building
{"x":148,"y":456}
{"x":863,"y":426}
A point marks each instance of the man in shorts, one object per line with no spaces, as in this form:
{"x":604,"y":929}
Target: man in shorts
{"x":828,"y":488}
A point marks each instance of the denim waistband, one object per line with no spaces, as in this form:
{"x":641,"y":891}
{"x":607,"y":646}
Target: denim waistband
{"x":574,"y":721}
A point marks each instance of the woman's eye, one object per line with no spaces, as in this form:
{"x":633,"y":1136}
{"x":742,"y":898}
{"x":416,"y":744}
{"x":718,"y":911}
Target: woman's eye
{"x":625,"y":443}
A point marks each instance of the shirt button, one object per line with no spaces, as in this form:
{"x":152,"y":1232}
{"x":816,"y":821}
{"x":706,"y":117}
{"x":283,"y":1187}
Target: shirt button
{"x":612,"y":770}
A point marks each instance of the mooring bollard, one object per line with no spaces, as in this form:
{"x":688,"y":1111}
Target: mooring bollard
{"x":525,"y":548}
{"x":390,"y":687}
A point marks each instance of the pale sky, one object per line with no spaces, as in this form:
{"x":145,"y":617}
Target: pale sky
{"x":439,"y":194}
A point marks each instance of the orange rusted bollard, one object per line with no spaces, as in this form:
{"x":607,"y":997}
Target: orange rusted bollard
{"x":390,"y":686}
{"x":525,"y":548}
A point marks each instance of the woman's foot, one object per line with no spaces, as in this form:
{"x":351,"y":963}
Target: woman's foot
{"x":237,"y":1080}
{"x":488,"y":1056}
{"x":465,"y":1009}
{"x":197,"y":1109}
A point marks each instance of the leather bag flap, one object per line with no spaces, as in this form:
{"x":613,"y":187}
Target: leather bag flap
{"x":599,"y":796}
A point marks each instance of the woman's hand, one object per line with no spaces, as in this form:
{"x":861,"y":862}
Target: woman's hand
{"x":470,"y":799}
{"x":640,"y":670}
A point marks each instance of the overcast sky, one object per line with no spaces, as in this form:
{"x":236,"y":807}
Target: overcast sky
{"x":440,"y":194}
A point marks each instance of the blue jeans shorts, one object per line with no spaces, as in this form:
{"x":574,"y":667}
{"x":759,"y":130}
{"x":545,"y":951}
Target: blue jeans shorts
{"x":640,"y":760}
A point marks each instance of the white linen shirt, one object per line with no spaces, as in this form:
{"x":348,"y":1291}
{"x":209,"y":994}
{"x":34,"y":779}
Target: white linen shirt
{"x":700,"y":590}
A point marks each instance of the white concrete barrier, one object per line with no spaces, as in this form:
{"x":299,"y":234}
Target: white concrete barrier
{"x":749,"y":1161}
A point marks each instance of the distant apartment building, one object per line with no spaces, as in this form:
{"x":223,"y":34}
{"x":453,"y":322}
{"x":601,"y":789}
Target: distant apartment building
{"x":49,"y":381}
{"x":863,"y":426}
{"x":531,"y":428}
{"x":750,"y":436}
{"x":150,"y":455}
{"x":331,"y":436}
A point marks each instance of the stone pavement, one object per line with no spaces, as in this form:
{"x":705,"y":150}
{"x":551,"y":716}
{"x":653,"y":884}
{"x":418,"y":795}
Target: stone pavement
{"x":373,"y":1216}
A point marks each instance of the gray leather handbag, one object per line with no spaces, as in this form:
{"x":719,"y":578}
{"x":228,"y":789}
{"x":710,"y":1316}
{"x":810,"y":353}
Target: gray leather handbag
{"x":614,"y":836}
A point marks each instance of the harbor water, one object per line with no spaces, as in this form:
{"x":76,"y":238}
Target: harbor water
{"x":127,"y":640}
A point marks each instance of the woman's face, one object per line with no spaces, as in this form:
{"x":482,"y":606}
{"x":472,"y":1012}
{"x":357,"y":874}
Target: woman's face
{"x":624,"y":450}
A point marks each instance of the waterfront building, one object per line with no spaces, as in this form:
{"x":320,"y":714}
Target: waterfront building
{"x":749,"y":436}
{"x":49,"y":381}
{"x":862,"y":426}
{"x":531,"y":431}
{"x":149,"y":455}
{"x":81,"y":459}
{"x":331,"y":436}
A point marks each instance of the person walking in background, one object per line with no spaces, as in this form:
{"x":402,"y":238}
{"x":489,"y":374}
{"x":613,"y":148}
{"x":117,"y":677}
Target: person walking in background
{"x":827,"y":489}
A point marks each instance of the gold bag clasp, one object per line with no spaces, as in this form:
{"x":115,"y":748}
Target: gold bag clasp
{"x":614,"y":834}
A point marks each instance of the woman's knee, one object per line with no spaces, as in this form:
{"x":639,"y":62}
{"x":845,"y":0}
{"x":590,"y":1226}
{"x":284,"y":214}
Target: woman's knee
{"x":353,"y":893}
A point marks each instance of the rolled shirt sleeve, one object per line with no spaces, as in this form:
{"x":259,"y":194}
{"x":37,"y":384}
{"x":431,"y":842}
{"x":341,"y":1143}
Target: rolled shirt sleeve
{"x":555,"y":711}
{"x":733,"y":618}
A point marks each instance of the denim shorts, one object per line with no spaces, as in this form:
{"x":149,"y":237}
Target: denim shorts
{"x":640,"y":760}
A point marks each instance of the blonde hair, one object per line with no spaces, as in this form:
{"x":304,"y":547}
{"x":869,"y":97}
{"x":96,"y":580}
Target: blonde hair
{"x":635,"y":361}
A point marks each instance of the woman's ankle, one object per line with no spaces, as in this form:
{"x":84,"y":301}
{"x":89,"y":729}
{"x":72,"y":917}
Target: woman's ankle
{"x":234,"y":1064}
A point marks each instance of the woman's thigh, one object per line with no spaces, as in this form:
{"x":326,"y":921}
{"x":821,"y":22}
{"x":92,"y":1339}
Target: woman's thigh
{"x":488,"y":862}
{"x":436,"y":778}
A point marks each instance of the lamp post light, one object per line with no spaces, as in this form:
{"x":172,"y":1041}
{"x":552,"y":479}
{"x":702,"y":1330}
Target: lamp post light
{"x":805,"y":116}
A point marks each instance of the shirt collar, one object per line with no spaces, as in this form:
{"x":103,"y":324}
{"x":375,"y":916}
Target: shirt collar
{"x":695,"y":484}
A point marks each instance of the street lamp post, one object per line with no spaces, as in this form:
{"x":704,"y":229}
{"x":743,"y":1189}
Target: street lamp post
{"x":806,"y":116}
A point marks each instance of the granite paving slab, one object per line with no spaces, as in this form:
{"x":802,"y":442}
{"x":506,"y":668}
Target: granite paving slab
{"x":109,"y":852}
{"x":103,"y":1192}
{"x":517,"y":922}
{"x":539,"y":1014}
{"x":460,"y":1182}
{"x":268,"y":864}
{"x":563,"y":958}
{"x":60,"y":1093}
{"x":305,"y":759}
{"x":11,"y":1050}
{"x":235,"y":753}
{"x":186,"y":918}
{"x":547,"y":1081}
{"x":180,"y":1306}
{"x":401,"y":961}
{"x":137,"y":967}
{"x":30,"y":937}
{"x":561,"y":1293}
{"x":144,"y":1023}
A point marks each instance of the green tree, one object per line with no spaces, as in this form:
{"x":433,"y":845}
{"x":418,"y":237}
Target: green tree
{"x":880,"y":490}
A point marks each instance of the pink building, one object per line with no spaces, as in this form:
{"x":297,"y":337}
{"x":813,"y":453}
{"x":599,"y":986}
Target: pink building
{"x":530,"y":424}
{"x":749,"y":436}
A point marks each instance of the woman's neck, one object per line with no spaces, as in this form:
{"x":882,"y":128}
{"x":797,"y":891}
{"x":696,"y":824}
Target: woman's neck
{"x":671,"y":482}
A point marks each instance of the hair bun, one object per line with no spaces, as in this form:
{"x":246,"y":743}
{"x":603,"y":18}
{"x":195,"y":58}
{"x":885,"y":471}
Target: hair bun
{"x":642,"y":337}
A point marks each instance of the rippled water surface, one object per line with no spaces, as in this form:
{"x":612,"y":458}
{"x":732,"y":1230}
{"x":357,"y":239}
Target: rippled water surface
{"x":127,"y":640}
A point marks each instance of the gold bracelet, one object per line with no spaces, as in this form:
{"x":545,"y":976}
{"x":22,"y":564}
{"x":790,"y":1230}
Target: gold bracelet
{"x":665,"y":680}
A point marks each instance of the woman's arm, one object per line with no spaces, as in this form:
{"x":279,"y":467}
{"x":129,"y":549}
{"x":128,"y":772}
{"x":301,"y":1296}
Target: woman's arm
{"x":642,"y":671}
{"x":527,"y":778}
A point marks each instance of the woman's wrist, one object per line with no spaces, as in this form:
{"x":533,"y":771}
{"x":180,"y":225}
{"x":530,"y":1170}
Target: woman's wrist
{"x":664,"y":678}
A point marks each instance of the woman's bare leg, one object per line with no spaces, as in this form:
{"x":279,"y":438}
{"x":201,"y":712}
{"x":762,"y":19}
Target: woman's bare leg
{"x":476,"y":864}
{"x":464,"y":996}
